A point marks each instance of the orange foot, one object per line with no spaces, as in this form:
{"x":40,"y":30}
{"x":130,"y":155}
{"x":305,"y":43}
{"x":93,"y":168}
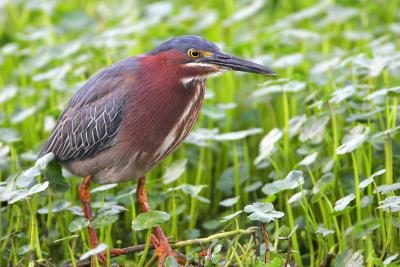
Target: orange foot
{"x":163,"y":248}
{"x":102,"y":259}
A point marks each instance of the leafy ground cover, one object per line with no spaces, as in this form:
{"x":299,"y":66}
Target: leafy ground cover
{"x":299,"y":170}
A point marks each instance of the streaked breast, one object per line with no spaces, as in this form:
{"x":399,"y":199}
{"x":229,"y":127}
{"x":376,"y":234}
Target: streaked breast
{"x":185,"y":123}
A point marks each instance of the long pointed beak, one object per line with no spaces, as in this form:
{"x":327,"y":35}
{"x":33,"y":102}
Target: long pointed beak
{"x":229,"y":62}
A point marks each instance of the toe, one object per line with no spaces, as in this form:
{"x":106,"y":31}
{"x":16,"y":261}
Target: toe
{"x":102,"y":258}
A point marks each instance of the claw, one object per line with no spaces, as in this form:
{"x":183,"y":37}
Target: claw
{"x":154,"y":241}
{"x":102,"y":258}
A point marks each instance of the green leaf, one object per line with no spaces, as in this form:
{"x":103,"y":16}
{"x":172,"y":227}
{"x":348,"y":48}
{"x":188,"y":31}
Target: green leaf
{"x":111,"y":210}
{"x":192,"y":190}
{"x":357,"y":136}
{"x":226,"y":182}
{"x":382,"y":92}
{"x":23,"y":250}
{"x":22,"y":114}
{"x":216,"y":255}
{"x":355,"y":260}
{"x":211,"y":224}
{"x":287,"y":61}
{"x":342,"y":257}
{"x":323,"y":183}
{"x":342,"y":203}
{"x":52,"y":173}
{"x":8,"y":93}
{"x":103,"y":188}
{"x":56,"y":206}
{"x":308,"y":160}
{"x":293,"y":179}
{"x":295,"y":125}
{"x":171,"y":262}
{"x":276,"y":262}
{"x":253,"y":187}
{"x":7,"y":192}
{"x":391,"y":203}
{"x":233,"y":136}
{"x":42,"y":162}
{"x":324,"y":232}
{"x":66,"y":238}
{"x":174,"y":171}
{"x":364,"y":228}
{"x":38,"y":188}
{"x":8,"y":135}
{"x":268,"y":145}
{"x":293,"y":231}
{"x":149,"y":220}
{"x":231,"y":216}
{"x":387,"y":188}
{"x":313,"y":130}
{"x":341,"y":94}
{"x":259,"y":207}
{"x":100,"y":248}
{"x":389,"y":259}
{"x":370,"y":179}
{"x":289,"y":87}
{"x":102,"y":221}
{"x":18,"y":195}
{"x":78,"y":224}
{"x":229,"y":201}
{"x":263,"y":212}
{"x":299,"y":195}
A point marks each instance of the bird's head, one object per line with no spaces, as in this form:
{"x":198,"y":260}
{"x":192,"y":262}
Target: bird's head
{"x":197,"y":58}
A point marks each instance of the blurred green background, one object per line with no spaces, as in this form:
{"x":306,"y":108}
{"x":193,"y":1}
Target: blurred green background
{"x":319,"y":141}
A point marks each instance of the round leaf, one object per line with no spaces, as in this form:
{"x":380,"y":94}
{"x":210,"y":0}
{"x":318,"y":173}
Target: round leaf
{"x":342,"y":203}
{"x":102,"y":221}
{"x":231,"y":216}
{"x":38,"y":188}
{"x":149,"y":220}
{"x":174,"y":171}
{"x":229,"y":201}
{"x":100,"y":248}
{"x":357,"y":136}
{"x":103,"y":188}
{"x":78,"y":224}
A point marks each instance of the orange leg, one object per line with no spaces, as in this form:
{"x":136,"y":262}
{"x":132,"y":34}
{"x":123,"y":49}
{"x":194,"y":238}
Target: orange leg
{"x":159,"y":240}
{"x":84,"y":195}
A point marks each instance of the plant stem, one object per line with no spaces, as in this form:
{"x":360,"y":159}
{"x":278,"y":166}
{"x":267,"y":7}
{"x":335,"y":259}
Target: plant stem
{"x":236,"y":174}
{"x":71,"y":255}
{"x":193,"y":207}
{"x":356,"y":189}
{"x":146,"y":248}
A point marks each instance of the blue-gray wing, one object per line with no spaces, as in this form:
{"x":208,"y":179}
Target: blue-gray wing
{"x":93,"y":116}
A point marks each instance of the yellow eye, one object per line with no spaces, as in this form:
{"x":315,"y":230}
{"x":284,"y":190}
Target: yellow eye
{"x":193,"y":53}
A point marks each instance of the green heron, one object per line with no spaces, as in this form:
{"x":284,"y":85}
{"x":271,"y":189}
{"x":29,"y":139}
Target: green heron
{"x":131,"y":115}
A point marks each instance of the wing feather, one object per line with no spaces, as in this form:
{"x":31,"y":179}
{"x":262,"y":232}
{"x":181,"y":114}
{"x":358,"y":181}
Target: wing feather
{"x":93,"y":116}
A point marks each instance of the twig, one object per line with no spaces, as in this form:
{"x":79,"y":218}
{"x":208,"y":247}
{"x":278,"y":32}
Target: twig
{"x":122,"y":251}
{"x":248,"y":231}
{"x":138,"y":248}
{"x":266,"y":240}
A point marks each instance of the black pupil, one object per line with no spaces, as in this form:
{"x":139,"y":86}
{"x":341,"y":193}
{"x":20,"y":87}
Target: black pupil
{"x":195,"y":54}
